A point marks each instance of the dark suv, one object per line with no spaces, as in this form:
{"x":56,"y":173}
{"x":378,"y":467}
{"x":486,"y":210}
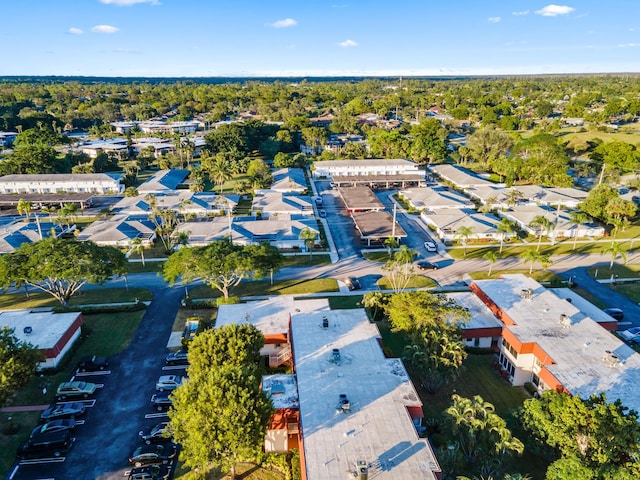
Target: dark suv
{"x":161,"y":401}
{"x":614,"y":313}
{"x":53,"y":444}
{"x":92,"y":363}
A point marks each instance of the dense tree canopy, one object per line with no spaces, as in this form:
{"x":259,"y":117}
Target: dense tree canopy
{"x":60,"y":267}
{"x":221,"y":264}
{"x":588,"y":435}
{"x":18,"y":361}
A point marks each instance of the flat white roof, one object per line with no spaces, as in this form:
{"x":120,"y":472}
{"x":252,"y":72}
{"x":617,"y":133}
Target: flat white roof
{"x":283,"y":390}
{"x":481,"y":316}
{"x":47,"y":328}
{"x":378,"y":428}
{"x":269,"y":316}
{"x":587,"y":358}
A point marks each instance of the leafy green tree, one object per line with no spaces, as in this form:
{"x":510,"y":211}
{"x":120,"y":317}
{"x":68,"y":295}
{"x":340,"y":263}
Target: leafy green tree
{"x":589,"y":435}
{"x":61,"y":267}
{"x":481,"y":435}
{"x":375,"y":302}
{"x":541,"y":160}
{"x":259,"y":173}
{"x":391,"y":243}
{"x":487,"y":144}
{"x":18,"y":361}
{"x":412,"y":312}
{"x":235,"y":344}
{"x":619,"y":211}
{"x":219,"y":417}
{"x":428,"y":144}
{"x":618,"y":155}
{"x":595,"y":205}
{"x":283,"y":160}
{"x":534,"y":256}
{"x":222,"y":265}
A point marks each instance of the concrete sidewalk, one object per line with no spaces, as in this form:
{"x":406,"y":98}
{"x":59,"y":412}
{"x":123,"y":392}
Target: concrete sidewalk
{"x":24,"y":408}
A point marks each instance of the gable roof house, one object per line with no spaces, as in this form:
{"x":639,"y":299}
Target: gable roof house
{"x":120,"y":231}
{"x":523,"y":215}
{"x":447,"y":223}
{"x":459,"y":177}
{"x":288,"y":180}
{"x":439,"y":198}
{"x":164,"y":181}
{"x":199,"y":204}
{"x":15,"y":234}
{"x":269,"y":203}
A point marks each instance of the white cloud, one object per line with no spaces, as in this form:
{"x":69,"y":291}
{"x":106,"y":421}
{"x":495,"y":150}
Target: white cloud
{"x":75,"y":31}
{"x":520,"y":13}
{"x":128,"y":3}
{"x":494,"y":19}
{"x":104,"y":29}
{"x":348,"y":43}
{"x":284,"y":23}
{"x":554,"y":10}
{"x":629,"y":45}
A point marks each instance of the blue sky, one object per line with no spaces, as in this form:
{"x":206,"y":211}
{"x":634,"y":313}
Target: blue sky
{"x":194,"y":38}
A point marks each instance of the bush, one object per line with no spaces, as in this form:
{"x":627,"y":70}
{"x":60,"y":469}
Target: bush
{"x":102,"y":309}
{"x":295,"y":465}
{"x":198,"y":304}
{"x":531,"y":388}
{"x":277,"y":462}
{"x":227,"y":301}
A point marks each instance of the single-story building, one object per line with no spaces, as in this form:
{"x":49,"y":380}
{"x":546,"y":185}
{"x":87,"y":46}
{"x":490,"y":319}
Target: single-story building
{"x":61,"y":182}
{"x":164,"y":181}
{"x":15,"y":234}
{"x":523,"y":215}
{"x":458,"y":176}
{"x":199,"y":204}
{"x":448,"y":222}
{"x":120,"y":231}
{"x":52,"y":333}
{"x":288,"y":180}
{"x":269,"y":203}
{"x":434,"y":199}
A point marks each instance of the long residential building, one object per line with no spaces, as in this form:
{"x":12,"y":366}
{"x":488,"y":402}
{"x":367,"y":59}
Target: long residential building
{"x":60,"y":182}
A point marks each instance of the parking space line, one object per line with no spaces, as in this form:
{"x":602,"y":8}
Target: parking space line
{"x":174,"y":367}
{"x":37,"y":461}
{"x":89,"y":374}
{"x":156,"y":415}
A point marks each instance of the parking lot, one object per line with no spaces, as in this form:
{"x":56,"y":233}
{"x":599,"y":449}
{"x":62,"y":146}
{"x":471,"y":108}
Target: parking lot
{"x":120,"y":409}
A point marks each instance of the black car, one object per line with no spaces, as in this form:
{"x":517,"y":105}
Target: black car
{"x":62,"y":410}
{"x":92,"y":363}
{"x":161,"y":401}
{"x":49,"y":445}
{"x":177,"y":358}
{"x":149,"y":472}
{"x":614,"y":313}
{"x":53,"y":426}
{"x":156,"y":434}
{"x":152,"y":455}
{"x":427,"y":266}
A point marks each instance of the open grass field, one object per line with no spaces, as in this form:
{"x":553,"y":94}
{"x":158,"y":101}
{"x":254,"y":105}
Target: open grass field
{"x":244,"y":471}
{"x":303,"y":260}
{"x":262,"y":287}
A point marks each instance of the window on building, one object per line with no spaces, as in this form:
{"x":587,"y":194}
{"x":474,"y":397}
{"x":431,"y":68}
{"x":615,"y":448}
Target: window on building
{"x":476,"y":342}
{"x":507,"y":346}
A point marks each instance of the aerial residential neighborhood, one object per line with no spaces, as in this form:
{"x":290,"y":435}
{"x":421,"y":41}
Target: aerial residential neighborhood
{"x":314,"y":249}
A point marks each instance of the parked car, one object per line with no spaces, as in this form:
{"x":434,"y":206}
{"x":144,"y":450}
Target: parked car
{"x":53,"y":444}
{"x":322,"y":213}
{"x":427,"y":266}
{"x":177,"y":358}
{"x":152,"y":455}
{"x":150,"y":472}
{"x":615,"y":313}
{"x":75,"y":390}
{"x":53,"y":426}
{"x":168,"y":382}
{"x":156,"y":434}
{"x":631,"y":335}
{"x":430,"y":246}
{"x":352,"y":283}
{"x":92,"y":364}
{"x":62,"y":410}
{"x":161,"y":401}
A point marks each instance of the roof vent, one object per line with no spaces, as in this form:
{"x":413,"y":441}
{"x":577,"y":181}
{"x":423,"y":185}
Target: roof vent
{"x":362,"y":470}
{"x":335,"y":356}
{"x":526,"y":293}
{"x":27,"y":330}
{"x":325,"y":322}
{"x":565,"y":321}
{"x":611,"y":359}
{"x":343,"y":403}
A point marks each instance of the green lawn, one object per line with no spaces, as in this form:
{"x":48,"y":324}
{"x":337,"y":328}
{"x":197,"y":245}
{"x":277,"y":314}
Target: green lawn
{"x":560,"y":248}
{"x":541,"y":276}
{"x":381,"y":257}
{"x":85,"y":297}
{"x":302,"y":260}
{"x":148,"y":267}
{"x":416,"y":281}
{"x":345,"y":302}
{"x":24,"y":422}
{"x":629,"y":290}
{"x":244,"y":471}
{"x":264,"y":287}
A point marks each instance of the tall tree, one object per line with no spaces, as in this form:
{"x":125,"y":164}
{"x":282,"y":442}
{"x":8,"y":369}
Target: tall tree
{"x":391,"y":243}
{"x":309,"y":237}
{"x":463,"y":234}
{"x":25,"y":207}
{"x":222,"y":265}
{"x":595,"y":205}
{"x":18,"y":361}
{"x":491,"y":257}
{"x":615,"y":249}
{"x":400,"y":268}
{"x":61,"y":267}
{"x":504,"y":227}
{"x":219,"y":417}
{"x":578,"y":219}
{"x":542,"y":226}
{"x":136,"y":246}
{"x":533,"y":257}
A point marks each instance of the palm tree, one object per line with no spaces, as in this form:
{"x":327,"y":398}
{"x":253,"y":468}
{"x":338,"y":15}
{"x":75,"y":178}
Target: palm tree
{"x":504,"y":226}
{"x":615,"y":249}
{"x":309,"y":237}
{"x":514,"y":196}
{"x":463,"y":233}
{"x":530,"y":256}
{"x":491,"y":257}
{"x":577,"y":218}
{"x":24,"y":208}
{"x":136,"y":246}
{"x":220,"y":170}
{"x":391,"y":243}
{"x":541,"y":224}
{"x":374,"y":301}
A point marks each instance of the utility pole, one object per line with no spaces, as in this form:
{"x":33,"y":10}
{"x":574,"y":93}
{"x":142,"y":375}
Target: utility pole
{"x":393,"y":227}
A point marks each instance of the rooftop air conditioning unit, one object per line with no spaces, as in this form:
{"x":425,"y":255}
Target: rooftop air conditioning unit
{"x":362,"y":470}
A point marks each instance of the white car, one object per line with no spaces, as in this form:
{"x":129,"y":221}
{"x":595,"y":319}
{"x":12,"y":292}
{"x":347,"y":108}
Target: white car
{"x":631,"y":335}
{"x":430,"y":246}
{"x":168,"y":382}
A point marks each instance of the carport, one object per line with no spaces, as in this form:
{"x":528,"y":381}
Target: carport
{"x":377,"y":226}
